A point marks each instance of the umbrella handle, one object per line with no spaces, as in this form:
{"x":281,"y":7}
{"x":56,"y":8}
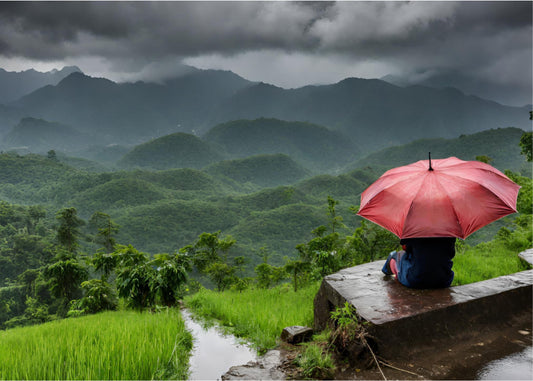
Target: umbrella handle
{"x":430,"y":167}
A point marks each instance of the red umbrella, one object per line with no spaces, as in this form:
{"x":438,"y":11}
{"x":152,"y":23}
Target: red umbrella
{"x":439,"y":198}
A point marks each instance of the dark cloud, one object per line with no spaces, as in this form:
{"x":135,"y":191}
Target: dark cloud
{"x":475,"y":37}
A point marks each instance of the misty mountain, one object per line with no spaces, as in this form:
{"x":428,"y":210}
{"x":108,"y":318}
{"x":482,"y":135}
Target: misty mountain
{"x":501,"y":145}
{"x":14,"y":85}
{"x":131,"y":112}
{"x":177,"y":150}
{"x":373,"y":113}
{"x":502,"y":93}
{"x":9,"y":117}
{"x":314,"y":146}
{"x":38,"y":135}
{"x":262,"y":170}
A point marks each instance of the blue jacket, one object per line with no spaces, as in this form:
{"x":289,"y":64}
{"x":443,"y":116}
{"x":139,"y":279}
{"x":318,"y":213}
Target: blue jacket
{"x":427,"y":262}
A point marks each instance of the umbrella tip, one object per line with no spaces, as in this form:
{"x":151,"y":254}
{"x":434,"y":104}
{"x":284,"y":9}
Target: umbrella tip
{"x":430,"y":167}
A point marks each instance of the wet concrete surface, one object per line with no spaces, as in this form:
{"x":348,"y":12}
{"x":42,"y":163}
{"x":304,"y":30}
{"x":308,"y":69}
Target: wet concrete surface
{"x":380,"y":299}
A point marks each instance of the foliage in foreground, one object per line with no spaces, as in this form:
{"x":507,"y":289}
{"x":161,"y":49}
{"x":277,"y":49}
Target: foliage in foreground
{"x":105,"y":346}
{"x":258,"y":315}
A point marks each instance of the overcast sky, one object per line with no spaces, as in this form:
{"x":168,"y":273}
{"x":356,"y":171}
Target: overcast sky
{"x":289,"y":44}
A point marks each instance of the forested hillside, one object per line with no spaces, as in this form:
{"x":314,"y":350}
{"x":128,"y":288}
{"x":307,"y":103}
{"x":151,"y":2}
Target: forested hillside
{"x":265,"y":200}
{"x":314,"y":146}
{"x":38,"y":135}
{"x":178,"y":150}
{"x":498,"y":145}
{"x":260,"y":170}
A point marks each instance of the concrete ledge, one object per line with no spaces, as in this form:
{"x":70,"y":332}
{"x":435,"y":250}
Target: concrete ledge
{"x":402,"y":316}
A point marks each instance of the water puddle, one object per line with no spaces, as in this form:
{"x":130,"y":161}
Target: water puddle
{"x":214,"y":352}
{"x":518,"y":366}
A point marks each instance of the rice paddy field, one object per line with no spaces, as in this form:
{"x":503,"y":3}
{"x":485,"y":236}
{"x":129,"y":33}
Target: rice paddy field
{"x":258,"y":315}
{"x":123,"y":345}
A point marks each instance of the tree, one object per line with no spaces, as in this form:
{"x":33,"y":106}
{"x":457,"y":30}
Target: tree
{"x":171,"y":275}
{"x":35,"y":214}
{"x":106,"y":229}
{"x":104,"y":262}
{"x":51,"y":155}
{"x":266,"y":274}
{"x":137,"y":285}
{"x":335,"y":221}
{"x":484,"y":159}
{"x":321,"y":252}
{"x":210,"y":248}
{"x":368,"y":243}
{"x":99,"y":296}
{"x":65,"y":276}
{"x":526,"y":145}
{"x":296,"y":268}
{"x":68,"y":229}
{"x":222,"y":274}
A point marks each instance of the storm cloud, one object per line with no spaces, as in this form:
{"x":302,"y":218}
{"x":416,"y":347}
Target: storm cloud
{"x":286,"y":43}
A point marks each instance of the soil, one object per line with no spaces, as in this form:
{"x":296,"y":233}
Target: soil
{"x":457,"y":357}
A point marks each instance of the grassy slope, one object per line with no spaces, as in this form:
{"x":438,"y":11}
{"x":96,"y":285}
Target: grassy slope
{"x":106,"y":346}
{"x":257,"y":314}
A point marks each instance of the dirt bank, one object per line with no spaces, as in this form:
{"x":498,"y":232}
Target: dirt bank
{"x":460,"y":356}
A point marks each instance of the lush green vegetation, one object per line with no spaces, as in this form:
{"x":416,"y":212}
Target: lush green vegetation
{"x":38,"y":135}
{"x":494,"y":258}
{"x":499,"y":145}
{"x":315,"y":146}
{"x":178,"y":150}
{"x":262,"y":250}
{"x":258,"y":315}
{"x":263,"y":170}
{"x":122,"y":345}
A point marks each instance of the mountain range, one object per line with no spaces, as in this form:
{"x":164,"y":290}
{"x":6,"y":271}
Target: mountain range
{"x":371,"y":114}
{"x":14,"y":85}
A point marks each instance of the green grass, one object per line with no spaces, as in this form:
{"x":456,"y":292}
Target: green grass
{"x":258,"y":315}
{"x":316,"y":363}
{"x":486,"y":261}
{"x":121,"y":345}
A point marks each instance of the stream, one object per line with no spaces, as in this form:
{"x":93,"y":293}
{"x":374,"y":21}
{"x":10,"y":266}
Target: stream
{"x":214,"y":352}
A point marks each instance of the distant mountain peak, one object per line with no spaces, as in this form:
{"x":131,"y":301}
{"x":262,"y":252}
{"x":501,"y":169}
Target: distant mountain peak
{"x":78,"y":77}
{"x":14,"y":85}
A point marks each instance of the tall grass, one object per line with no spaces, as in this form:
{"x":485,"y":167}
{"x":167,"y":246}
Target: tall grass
{"x":259,"y":315}
{"x":121,"y":345}
{"x":486,"y":261}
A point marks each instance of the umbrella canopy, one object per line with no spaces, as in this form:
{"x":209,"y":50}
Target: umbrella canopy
{"x":439,"y":198}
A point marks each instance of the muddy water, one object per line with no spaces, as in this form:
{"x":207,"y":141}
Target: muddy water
{"x":515,"y":367}
{"x":214,"y":353}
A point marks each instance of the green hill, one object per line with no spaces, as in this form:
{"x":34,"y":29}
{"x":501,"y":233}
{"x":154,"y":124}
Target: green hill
{"x":501,"y":145}
{"x":279,"y":230}
{"x":38,"y":135}
{"x":314,"y":146}
{"x":177,"y":150}
{"x":262,"y":170}
{"x":117,"y":193}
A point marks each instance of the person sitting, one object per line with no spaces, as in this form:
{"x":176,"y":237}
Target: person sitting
{"x":423,"y":262}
